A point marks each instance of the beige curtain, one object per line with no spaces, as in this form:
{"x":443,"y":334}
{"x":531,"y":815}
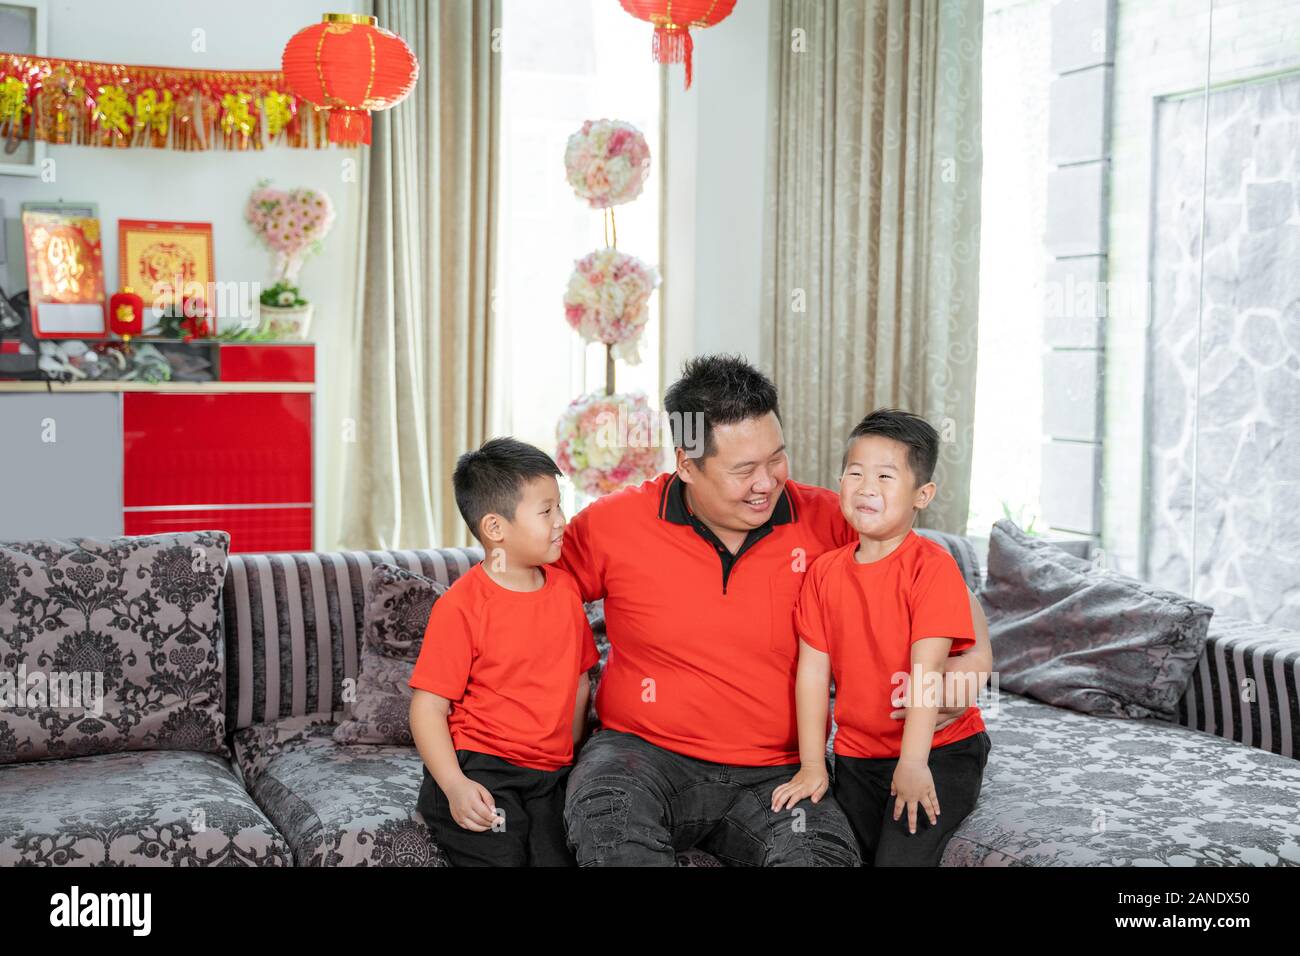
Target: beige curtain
{"x":871,"y":245}
{"x":419,"y":388}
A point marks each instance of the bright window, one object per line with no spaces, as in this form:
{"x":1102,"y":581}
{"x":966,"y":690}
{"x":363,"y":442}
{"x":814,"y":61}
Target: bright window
{"x":564,"y":63}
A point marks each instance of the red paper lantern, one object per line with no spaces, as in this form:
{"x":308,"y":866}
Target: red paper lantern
{"x":349,"y":66}
{"x":672,"y":21}
{"x":126,"y":313}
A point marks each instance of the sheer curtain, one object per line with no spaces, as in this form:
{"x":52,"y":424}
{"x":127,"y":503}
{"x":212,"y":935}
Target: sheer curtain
{"x":871,"y":239}
{"x":418,"y":394}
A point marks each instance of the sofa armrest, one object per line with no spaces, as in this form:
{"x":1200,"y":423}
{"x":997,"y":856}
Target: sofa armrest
{"x":1244,"y":687}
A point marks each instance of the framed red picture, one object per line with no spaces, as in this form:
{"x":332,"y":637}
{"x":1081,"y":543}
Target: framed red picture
{"x":65,"y":271}
{"x":165,"y":262}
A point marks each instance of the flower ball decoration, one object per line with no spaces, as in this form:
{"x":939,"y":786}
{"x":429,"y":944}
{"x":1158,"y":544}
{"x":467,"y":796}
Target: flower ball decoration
{"x":607,"y":300}
{"x":605,"y":442}
{"x":607,"y":162}
{"x":290,"y":224}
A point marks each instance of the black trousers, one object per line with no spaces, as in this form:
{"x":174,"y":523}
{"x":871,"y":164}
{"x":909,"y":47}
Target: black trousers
{"x":861,"y":787}
{"x":531,"y":832}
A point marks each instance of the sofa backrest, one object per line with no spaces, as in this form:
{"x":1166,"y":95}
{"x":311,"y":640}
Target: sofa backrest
{"x":293,"y":622}
{"x":963,"y":550}
{"x":293,"y":625}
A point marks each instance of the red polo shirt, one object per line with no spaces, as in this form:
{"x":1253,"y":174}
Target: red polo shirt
{"x":866,"y":617}
{"x":702,"y":643}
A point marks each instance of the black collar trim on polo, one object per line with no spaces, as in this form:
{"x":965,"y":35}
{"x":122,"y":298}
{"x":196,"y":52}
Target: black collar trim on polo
{"x":672,"y":504}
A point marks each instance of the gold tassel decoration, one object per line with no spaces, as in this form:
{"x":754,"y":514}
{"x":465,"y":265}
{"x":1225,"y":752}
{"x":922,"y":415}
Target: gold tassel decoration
{"x":114,"y":105}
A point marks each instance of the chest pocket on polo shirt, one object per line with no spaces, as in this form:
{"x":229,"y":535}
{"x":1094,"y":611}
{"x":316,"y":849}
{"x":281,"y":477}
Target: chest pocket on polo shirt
{"x":785,"y":587}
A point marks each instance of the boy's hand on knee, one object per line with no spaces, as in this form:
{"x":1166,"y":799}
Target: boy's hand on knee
{"x":472,"y":806}
{"x":808,"y":782}
{"x":912,"y":784}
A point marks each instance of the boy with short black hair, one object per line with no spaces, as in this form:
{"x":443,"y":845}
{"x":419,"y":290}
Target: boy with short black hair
{"x":882,"y":614}
{"x":500,"y":686}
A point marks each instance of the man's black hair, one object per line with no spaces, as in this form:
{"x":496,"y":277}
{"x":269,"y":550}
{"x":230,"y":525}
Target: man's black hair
{"x":491,"y":480}
{"x":915,"y":432}
{"x":722,"y":390}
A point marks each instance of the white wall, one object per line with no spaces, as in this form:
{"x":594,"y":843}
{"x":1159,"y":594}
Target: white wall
{"x":207,"y":186}
{"x":716,"y":154}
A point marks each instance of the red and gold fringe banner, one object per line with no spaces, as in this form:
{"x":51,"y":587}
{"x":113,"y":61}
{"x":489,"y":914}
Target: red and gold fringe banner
{"x":119,"y":105}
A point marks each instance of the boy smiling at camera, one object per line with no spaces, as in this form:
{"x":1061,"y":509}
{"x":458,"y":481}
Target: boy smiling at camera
{"x":882,"y":614}
{"x":500,"y":686}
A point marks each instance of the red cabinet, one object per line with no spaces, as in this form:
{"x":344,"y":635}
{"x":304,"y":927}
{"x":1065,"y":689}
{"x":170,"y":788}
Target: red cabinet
{"x":235,"y":455}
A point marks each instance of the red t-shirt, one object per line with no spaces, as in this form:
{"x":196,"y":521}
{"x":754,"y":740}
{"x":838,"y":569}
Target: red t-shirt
{"x":867,"y":616}
{"x":700,"y":666}
{"x":509,"y":661}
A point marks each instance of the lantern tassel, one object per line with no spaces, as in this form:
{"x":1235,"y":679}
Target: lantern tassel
{"x":348,"y":127}
{"x":674,"y":46}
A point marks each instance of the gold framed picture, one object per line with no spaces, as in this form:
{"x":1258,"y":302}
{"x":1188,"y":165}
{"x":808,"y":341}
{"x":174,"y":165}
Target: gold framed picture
{"x":166,"y":263}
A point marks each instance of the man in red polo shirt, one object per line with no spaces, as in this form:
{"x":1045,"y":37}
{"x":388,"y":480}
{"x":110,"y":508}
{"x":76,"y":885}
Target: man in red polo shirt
{"x":700,"y":570}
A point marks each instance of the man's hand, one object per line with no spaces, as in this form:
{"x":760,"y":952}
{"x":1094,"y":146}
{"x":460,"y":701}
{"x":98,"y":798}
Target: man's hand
{"x":976,"y":662}
{"x":946,"y":716}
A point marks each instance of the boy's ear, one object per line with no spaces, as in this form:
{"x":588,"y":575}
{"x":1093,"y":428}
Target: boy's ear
{"x":493,"y":529}
{"x":924,"y":495}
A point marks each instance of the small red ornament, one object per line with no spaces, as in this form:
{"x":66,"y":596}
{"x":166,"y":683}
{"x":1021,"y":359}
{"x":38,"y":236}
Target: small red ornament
{"x":350,"y":66}
{"x":195,"y":328}
{"x":195,"y":324}
{"x":672,"y":21}
{"x":126,"y":313}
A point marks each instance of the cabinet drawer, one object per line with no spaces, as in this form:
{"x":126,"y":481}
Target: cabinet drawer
{"x":219,"y":449}
{"x":251,"y":529}
{"x":268,"y":363}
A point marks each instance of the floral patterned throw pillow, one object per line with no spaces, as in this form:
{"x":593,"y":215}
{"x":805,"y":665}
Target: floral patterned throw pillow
{"x":111,"y":645}
{"x":398,"y":605}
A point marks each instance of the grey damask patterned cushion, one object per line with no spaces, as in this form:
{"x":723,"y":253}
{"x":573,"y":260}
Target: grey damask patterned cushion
{"x":1086,"y":638}
{"x":337,"y":805}
{"x":1067,"y":789}
{"x":168,"y":808}
{"x":111,"y":645}
{"x":398,"y":605}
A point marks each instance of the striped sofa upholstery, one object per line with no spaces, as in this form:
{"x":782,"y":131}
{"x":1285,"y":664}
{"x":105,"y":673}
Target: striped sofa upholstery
{"x":279,"y":663}
{"x":293,"y":625}
{"x":1244,"y":688}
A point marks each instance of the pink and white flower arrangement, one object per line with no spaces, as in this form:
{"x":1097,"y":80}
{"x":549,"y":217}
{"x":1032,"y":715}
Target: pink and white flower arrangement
{"x":607,"y":300}
{"x":607,"y":162}
{"x":290,"y":223}
{"x":606,"y":442}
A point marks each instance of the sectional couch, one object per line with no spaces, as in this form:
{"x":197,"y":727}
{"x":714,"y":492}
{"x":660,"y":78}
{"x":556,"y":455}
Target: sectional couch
{"x":1220,"y":787}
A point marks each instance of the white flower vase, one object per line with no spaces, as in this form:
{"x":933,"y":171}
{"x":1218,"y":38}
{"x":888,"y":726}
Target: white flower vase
{"x":287,"y":322}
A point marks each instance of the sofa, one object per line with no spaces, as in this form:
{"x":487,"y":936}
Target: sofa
{"x":1221,"y":786}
